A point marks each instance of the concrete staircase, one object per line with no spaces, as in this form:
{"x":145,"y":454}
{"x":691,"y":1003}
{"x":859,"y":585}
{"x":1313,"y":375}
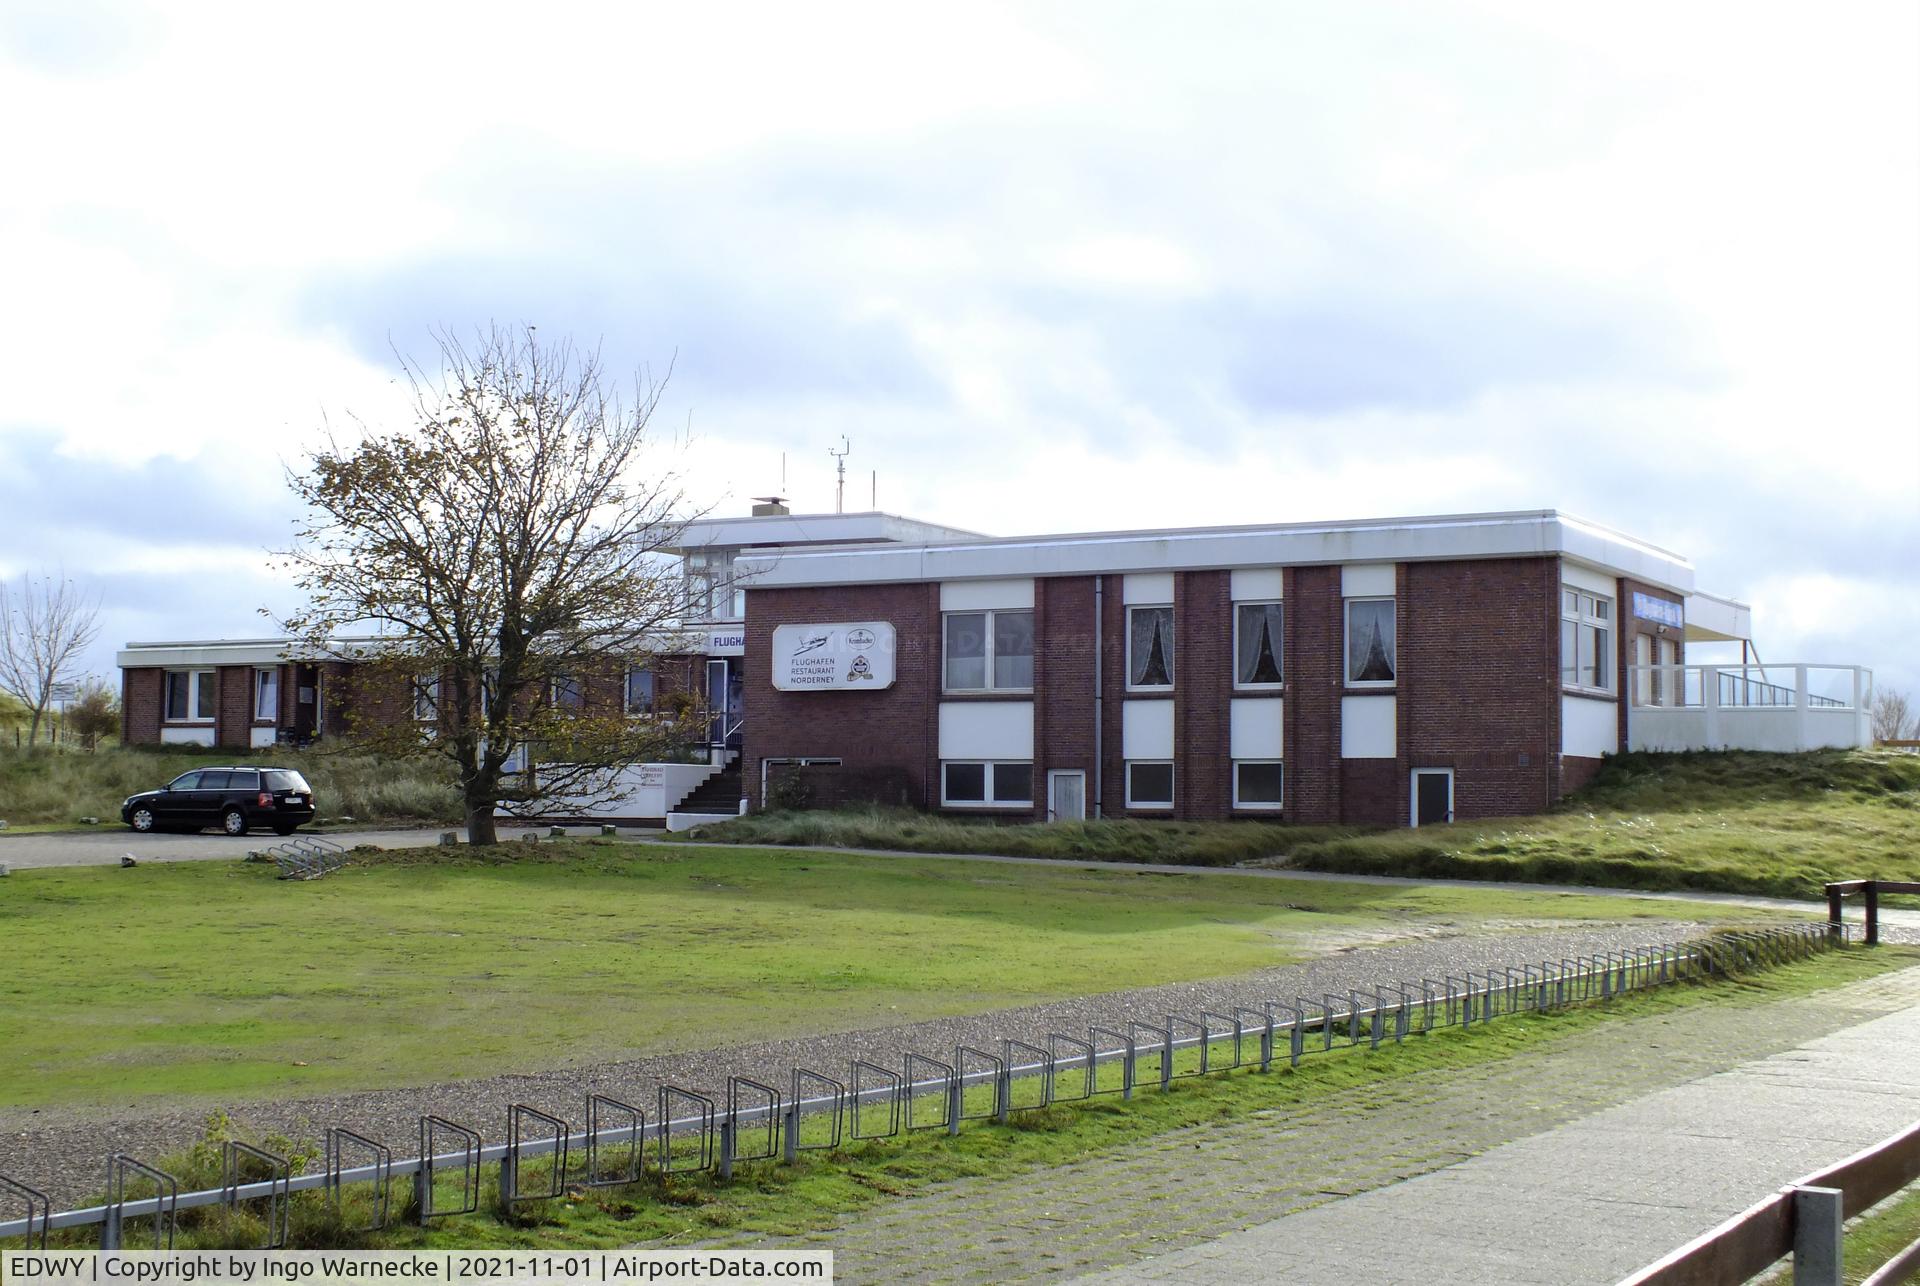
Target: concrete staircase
{"x":715,"y":800}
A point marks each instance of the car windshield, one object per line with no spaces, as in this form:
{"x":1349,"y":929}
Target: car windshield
{"x":287,"y":779}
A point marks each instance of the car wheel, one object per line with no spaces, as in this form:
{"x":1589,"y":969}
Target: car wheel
{"x":233,"y":822}
{"x":284,"y":828}
{"x":142,"y":820}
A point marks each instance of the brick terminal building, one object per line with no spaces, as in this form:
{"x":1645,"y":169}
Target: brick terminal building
{"x":1399,"y":671}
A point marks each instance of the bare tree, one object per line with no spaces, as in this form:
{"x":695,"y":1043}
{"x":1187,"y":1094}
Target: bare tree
{"x":1892,"y":716}
{"x":508,"y":544}
{"x":45,"y":626}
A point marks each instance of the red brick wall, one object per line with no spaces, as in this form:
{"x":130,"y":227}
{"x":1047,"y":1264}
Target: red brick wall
{"x":1478,"y":681}
{"x":1113,"y":674}
{"x":1062,"y":681}
{"x":1202,"y":688}
{"x":233,"y":708}
{"x":141,"y":692}
{"x":1315,"y":679}
{"x":894,"y":727}
{"x":1576,"y":771}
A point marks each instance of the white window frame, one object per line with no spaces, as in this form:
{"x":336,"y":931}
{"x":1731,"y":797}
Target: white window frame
{"x":1578,"y":607}
{"x":992,"y":644}
{"x":266,"y":676}
{"x":1173,"y":644}
{"x":426,"y":699}
{"x":626,"y":689}
{"x":1173,"y":784}
{"x":989,"y":786}
{"x":198,"y":681}
{"x":1346,"y":640}
{"x":1281,"y":658}
{"x":1260,"y":805}
{"x":1413,"y":795}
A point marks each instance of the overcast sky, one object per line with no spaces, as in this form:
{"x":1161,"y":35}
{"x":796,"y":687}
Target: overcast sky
{"x":1049,"y":267}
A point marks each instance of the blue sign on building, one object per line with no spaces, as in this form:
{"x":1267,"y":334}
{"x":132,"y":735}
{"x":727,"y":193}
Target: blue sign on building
{"x":1659,"y":610}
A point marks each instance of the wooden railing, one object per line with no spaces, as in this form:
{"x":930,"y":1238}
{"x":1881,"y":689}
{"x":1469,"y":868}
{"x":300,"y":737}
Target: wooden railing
{"x":1804,"y":1220}
{"x":1869,"y":892}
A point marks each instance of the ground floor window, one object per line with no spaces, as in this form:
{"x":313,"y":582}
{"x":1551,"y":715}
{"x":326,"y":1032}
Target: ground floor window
{"x":189,"y":695}
{"x":986,"y":785}
{"x":1258,"y":783}
{"x":1149,"y":784}
{"x":266,"y":695}
{"x":639,"y":691}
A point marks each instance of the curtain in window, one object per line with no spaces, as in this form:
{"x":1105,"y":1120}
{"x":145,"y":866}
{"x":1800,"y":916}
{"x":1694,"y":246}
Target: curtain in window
{"x":1151,"y":647}
{"x":1370,"y":641}
{"x":1259,"y":643}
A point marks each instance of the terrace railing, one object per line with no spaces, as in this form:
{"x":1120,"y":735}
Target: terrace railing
{"x":1748,"y":707}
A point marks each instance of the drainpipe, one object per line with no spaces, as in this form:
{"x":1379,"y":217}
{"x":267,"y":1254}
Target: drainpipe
{"x":1099,"y":668}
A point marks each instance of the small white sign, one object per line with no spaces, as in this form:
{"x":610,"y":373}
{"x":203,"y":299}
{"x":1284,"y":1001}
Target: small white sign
{"x":731,"y":642}
{"x":839,"y":657}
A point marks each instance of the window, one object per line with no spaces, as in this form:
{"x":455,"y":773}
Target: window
{"x":266,"y":696}
{"x":986,"y":785}
{"x":989,"y":651}
{"x":186,"y":781}
{"x":1149,"y":784}
{"x":1257,"y":644}
{"x":1586,"y":624}
{"x":1149,"y":647}
{"x":215,"y":780}
{"x":711,"y":592}
{"x":426,"y":699}
{"x":639,"y":691}
{"x":1370,"y":641}
{"x":568,"y":692}
{"x":1258,"y":783}
{"x":189,"y":696}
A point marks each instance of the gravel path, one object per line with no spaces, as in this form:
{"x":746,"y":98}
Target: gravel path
{"x":63,"y":1150}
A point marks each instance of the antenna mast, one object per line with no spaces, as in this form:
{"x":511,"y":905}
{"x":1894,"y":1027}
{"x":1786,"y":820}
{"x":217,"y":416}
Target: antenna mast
{"x":840,"y":464}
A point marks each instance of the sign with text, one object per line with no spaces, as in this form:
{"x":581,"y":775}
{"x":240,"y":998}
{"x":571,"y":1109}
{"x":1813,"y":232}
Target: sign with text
{"x":1661,"y":611}
{"x":727,"y":642}
{"x":847,"y":656}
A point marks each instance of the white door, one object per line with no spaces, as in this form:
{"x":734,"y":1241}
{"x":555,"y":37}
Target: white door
{"x":1067,"y":796}
{"x":1646,"y":684}
{"x":1432,"y":797}
{"x":1672,"y":688}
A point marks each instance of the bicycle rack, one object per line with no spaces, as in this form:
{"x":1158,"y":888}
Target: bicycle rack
{"x":796,"y":1113}
{"x":911,"y":1093}
{"x":307,"y":858}
{"x":893,"y":1092}
{"x":431,"y":1128}
{"x":166,"y":1200}
{"x":337,"y":1143}
{"x":1009,"y":1051}
{"x":555,"y":1129}
{"x":1198,"y":1030}
{"x":768,"y":1132}
{"x":1263,"y":1025}
{"x":1163,"y":1042}
{"x":1126,"y":1052}
{"x":1208,"y":1036}
{"x":634,"y":1135}
{"x":983,"y":1063}
{"x":32,"y":1198}
{"x":669,"y":1095}
{"x":1085,"y":1054}
{"x":279,"y":1181}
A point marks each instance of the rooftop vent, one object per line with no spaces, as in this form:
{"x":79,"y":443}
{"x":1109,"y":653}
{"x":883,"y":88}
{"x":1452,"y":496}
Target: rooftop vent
{"x":770,"y":506}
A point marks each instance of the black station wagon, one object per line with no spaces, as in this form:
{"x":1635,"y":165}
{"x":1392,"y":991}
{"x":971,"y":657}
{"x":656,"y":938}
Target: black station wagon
{"x":234,"y":799}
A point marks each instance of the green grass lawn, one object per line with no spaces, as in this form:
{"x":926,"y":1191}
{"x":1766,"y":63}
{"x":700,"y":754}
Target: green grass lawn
{"x":1780,"y":825}
{"x":52,"y":789}
{"x":215,"y":979}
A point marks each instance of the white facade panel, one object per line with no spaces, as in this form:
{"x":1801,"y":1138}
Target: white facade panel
{"x":1146,"y":729}
{"x":1368,"y":580}
{"x":1256,"y":728}
{"x":983,"y":595}
{"x":1589,"y":728}
{"x":1591,"y":579}
{"x":1369,"y":727}
{"x":1257,"y":584}
{"x":1148,"y":587}
{"x":265,"y":738}
{"x":198,"y":735}
{"x":986,"y":729}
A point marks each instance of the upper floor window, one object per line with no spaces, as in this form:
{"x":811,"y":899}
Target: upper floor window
{"x":989,"y":651}
{"x":711,"y":592}
{"x":1371,"y":649}
{"x":1150,"y":647}
{"x":639,"y":691}
{"x":1257,"y":648}
{"x":1586,"y":625}
{"x":568,"y":692}
{"x":189,"y":696}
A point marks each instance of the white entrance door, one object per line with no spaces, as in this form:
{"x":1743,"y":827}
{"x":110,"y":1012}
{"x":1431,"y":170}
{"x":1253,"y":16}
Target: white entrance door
{"x":1067,"y":796}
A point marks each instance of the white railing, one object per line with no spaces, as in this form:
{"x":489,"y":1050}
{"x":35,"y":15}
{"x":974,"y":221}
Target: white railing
{"x":1748,"y":707}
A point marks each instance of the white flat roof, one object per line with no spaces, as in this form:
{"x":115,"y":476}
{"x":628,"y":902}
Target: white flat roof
{"x":1412,"y":539}
{"x":815,"y":529}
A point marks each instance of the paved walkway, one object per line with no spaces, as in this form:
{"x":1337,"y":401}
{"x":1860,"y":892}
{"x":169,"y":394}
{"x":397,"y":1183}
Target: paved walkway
{"x":1576,"y":1161}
